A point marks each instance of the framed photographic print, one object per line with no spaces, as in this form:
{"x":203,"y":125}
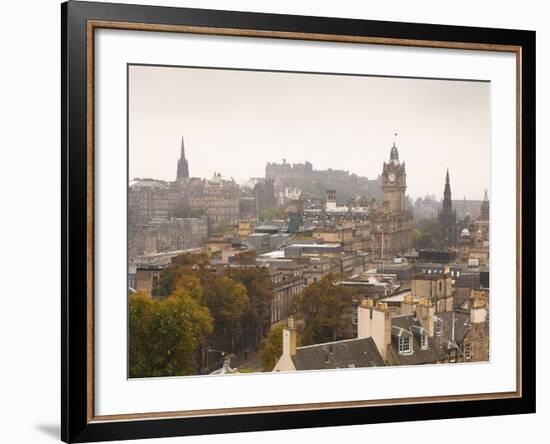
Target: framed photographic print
{"x":275,"y":221}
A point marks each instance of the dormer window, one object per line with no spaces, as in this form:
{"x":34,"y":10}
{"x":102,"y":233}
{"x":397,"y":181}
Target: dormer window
{"x":468,"y":351}
{"x":405,"y":345}
{"x":452,"y":356}
{"x":438,"y":324}
{"x":424,"y":340}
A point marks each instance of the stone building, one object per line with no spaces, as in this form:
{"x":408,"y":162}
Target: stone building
{"x":217,"y":197}
{"x":418,"y":335}
{"x":392,"y":223}
{"x":280,"y":172}
{"x":161,"y":235}
{"x":150,"y":199}
{"x":288,"y":282}
{"x":434,"y":287}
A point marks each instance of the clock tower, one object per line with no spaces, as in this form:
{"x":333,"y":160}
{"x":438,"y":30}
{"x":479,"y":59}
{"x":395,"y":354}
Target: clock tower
{"x":394,"y":182}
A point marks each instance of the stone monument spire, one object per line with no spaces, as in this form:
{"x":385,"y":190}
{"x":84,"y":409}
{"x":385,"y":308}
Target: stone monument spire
{"x":183,"y":166}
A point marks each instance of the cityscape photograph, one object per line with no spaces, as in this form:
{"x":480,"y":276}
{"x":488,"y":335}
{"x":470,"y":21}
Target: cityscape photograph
{"x":282,"y":221}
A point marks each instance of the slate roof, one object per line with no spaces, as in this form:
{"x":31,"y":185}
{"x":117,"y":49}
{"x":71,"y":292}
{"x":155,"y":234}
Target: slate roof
{"x":348,"y":353}
{"x":409,"y":324}
{"x":438,"y":346}
{"x":462,"y":325}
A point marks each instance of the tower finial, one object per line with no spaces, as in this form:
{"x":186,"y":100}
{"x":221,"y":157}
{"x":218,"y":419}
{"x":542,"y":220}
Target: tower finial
{"x":447,"y":177}
{"x":394,"y":154}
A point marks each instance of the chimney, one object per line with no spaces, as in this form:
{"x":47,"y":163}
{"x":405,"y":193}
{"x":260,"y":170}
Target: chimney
{"x":478,"y":310}
{"x":363,"y":318}
{"x":375,"y":321}
{"x":408,"y":306}
{"x":289,"y":338}
{"x":425,"y":314}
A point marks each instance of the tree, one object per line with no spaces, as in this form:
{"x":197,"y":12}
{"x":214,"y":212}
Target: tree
{"x":164,"y":334}
{"x":271,"y":348}
{"x":428,"y":234}
{"x":188,"y":263}
{"x":227,"y":301}
{"x":322,"y":306}
{"x":259,"y":288}
{"x":271,"y":214}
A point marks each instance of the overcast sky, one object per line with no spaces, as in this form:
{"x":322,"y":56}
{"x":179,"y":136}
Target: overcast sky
{"x":234,"y":122}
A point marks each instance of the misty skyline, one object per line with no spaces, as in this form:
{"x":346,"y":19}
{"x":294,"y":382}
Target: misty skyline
{"x":234,"y":122}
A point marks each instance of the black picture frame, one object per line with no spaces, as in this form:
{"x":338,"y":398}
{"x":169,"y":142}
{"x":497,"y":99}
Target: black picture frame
{"x":76,"y":423}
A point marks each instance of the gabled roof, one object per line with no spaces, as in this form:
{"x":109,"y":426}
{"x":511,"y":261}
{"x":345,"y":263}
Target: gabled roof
{"x":409,"y":324}
{"x":348,"y":353}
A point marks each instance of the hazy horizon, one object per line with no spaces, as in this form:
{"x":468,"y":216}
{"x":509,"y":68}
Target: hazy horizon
{"x":234,"y":122}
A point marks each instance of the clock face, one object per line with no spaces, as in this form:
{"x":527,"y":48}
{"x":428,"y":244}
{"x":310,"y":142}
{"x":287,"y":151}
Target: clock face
{"x":391,"y":177}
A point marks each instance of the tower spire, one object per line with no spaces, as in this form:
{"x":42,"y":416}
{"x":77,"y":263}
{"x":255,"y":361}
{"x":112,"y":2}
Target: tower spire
{"x":183,"y":166}
{"x":447,"y":216}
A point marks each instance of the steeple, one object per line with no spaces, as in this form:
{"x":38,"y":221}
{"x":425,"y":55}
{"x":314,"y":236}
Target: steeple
{"x":447,"y":192}
{"x":447,"y":216}
{"x":486,"y":196}
{"x":183,"y":166}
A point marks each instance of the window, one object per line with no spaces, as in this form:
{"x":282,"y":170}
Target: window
{"x":468,"y":351}
{"x":452,"y":356}
{"x":424,"y":340}
{"x":438,"y":326}
{"x":405,"y":344}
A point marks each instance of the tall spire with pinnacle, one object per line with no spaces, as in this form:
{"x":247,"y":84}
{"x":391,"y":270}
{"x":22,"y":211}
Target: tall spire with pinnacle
{"x":183,"y":166}
{"x":447,"y":216}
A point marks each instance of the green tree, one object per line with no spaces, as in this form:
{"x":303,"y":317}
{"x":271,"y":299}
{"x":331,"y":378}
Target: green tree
{"x":164,"y":334}
{"x":227,"y":301}
{"x":322,"y":306}
{"x":271,"y":214}
{"x":259,"y":288}
{"x":427,"y":234}
{"x":184,"y":264}
{"x":271,"y":348}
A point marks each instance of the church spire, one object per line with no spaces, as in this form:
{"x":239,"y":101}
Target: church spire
{"x":447,"y":180}
{"x":183,"y":166}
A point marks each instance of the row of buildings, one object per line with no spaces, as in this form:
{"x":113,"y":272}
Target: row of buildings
{"x":423,"y":302}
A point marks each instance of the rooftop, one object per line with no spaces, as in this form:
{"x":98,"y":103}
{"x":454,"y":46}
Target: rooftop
{"x":348,"y":353}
